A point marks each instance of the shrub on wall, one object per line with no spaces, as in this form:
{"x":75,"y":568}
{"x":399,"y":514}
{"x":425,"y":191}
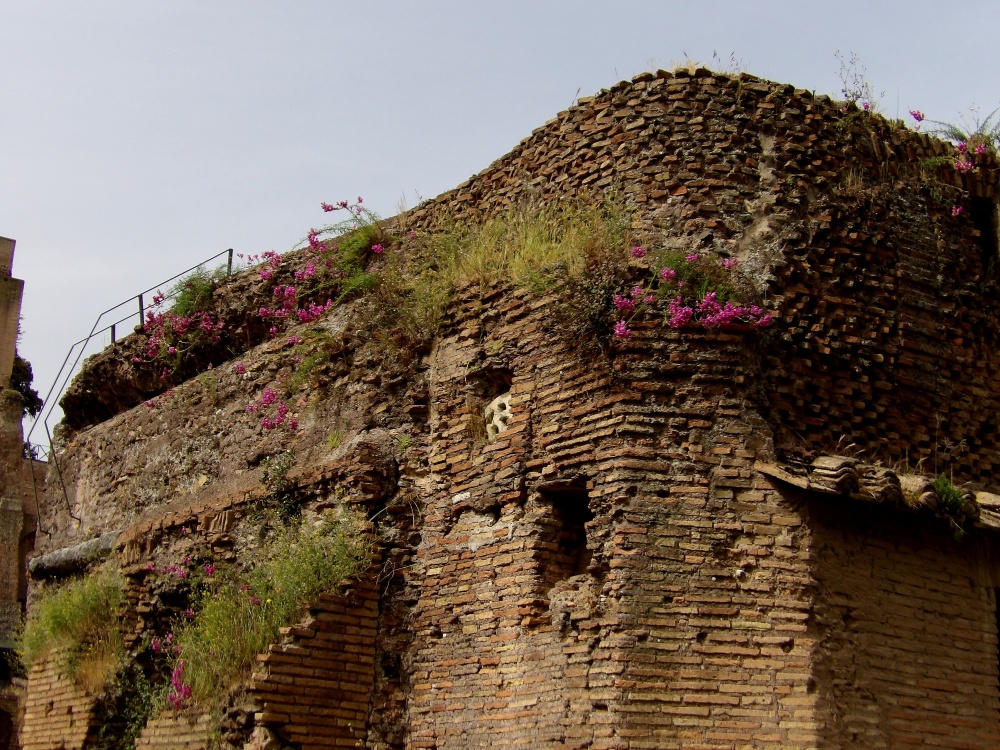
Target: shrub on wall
{"x":79,"y":620}
{"x":240,"y":617}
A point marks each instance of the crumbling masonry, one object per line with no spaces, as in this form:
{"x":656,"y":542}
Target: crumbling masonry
{"x":698,"y":539}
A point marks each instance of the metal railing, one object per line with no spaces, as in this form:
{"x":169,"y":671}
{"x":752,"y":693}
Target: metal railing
{"x":77,"y":350}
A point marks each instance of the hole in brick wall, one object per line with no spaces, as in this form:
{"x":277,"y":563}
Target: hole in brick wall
{"x":391,"y":665}
{"x":702,"y":636}
{"x":985,"y":220}
{"x":570,"y":513}
{"x":788,"y":645}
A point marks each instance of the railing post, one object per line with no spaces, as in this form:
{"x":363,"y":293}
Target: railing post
{"x":229,"y":265}
{"x":112,"y":333}
{"x":142,"y":326}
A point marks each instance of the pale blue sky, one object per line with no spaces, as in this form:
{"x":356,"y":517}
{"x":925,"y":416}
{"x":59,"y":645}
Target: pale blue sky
{"x":139,"y":137}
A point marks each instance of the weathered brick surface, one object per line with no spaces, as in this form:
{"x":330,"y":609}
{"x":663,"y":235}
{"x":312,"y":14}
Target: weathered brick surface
{"x":171,"y":732}
{"x":612,"y":571}
{"x":316,"y":687}
{"x":905,"y":623}
{"x":58,"y":714}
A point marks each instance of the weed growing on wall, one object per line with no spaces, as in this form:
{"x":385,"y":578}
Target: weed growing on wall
{"x":337,"y":257}
{"x":974,"y":137}
{"x":856,"y":89}
{"x":237,"y":618}
{"x":532,"y":246}
{"x":689,"y":289}
{"x":79,"y":621}
{"x":188,"y":322}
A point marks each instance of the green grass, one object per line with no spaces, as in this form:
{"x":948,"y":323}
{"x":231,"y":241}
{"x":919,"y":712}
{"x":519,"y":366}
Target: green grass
{"x":194,"y":292}
{"x":534,"y":247}
{"x":241,"y":618}
{"x":80,"y":619}
{"x":952,"y":500}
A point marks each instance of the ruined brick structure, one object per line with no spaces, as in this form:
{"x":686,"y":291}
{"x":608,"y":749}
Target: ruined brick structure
{"x":699,"y":539}
{"x":18,"y":504}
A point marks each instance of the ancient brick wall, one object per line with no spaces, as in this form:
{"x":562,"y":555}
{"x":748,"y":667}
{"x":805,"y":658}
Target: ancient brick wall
{"x":58,"y":714}
{"x":611,"y":570}
{"x":884,"y":300}
{"x":316,"y":687}
{"x":605,"y":573}
{"x":176,"y":732}
{"x":905,"y":626}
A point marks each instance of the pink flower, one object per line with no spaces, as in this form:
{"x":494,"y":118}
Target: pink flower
{"x":729,"y":263}
{"x":622,"y":303}
{"x":638,"y":252}
{"x":293,"y":340}
{"x":327,"y":207}
{"x":293,"y":424}
{"x":691,"y":257}
{"x":240,"y":368}
{"x":956,"y":210}
{"x":150,"y":565}
{"x":917,"y":115}
{"x":622,"y":330}
{"x":865,"y":106}
{"x":255,"y":600}
{"x":962,"y":147}
{"x":668,"y":274}
{"x":189,"y":613}
{"x":377,"y":249}
{"x":680,"y":314}
{"x":963,"y":166}
{"x":209,"y":569}
{"x":980,"y":149}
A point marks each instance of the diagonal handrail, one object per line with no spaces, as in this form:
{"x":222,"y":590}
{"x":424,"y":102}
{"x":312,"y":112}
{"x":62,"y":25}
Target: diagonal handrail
{"x":65,"y":374}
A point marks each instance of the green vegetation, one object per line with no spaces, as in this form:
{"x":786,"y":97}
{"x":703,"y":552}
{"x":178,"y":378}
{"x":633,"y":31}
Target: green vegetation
{"x":194,"y":292}
{"x":274,"y":477}
{"x":952,"y":500}
{"x":21,"y":378}
{"x":79,"y":619}
{"x":241,"y":617}
{"x":530,"y":246}
{"x":976,"y":136}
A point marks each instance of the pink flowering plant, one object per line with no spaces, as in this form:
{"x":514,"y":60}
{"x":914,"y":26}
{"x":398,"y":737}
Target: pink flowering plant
{"x":336,"y":258}
{"x":173,"y":331}
{"x":689,"y":289}
{"x":976,"y":140}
